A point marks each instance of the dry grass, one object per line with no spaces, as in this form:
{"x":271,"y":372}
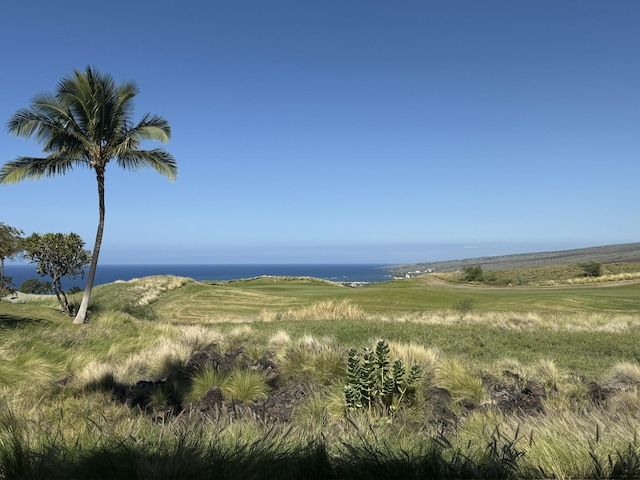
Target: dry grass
{"x":620,"y":277}
{"x":521,"y":321}
{"x":559,"y":443}
{"x":313,"y":360}
{"x":325,"y":310}
{"x":149,"y":289}
{"x":279,"y":341}
{"x":460,"y":381}
{"x":413,"y":353}
{"x":171,"y":351}
{"x":624,"y":376}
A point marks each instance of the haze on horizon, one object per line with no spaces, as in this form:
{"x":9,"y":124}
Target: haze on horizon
{"x":345,"y":132}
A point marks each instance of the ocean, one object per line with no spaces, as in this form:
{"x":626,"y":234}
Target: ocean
{"x":111,"y":273}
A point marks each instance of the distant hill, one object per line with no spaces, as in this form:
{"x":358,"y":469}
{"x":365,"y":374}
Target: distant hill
{"x":626,"y":252}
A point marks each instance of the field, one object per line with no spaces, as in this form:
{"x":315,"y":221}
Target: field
{"x":427,"y":377}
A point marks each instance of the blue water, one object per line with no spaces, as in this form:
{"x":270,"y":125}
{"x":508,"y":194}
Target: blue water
{"x":111,"y":273}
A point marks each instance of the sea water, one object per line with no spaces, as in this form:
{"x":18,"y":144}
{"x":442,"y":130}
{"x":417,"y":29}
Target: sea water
{"x":112,"y":273}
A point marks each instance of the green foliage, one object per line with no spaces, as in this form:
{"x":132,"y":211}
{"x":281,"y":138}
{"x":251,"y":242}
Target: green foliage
{"x":6,"y":286}
{"x":33,"y":285}
{"x":474,"y":273}
{"x":592,"y":269}
{"x":464,"y":306}
{"x":373,"y":381}
{"x":10,"y":246}
{"x":57,"y":255}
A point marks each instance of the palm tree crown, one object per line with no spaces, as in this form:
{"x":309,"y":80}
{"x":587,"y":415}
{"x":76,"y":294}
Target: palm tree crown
{"x":87,"y":122}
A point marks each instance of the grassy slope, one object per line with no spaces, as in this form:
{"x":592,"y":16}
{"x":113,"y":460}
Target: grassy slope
{"x":628,"y":253}
{"x":596,"y":323}
{"x":201,"y":302}
{"x":504,"y":323}
{"x":585,"y":331}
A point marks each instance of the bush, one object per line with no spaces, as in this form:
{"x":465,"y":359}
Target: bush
{"x":464,"y":306}
{"x":33,"y":285}
{"x":474,"y":274}
{"x":592,"y":269}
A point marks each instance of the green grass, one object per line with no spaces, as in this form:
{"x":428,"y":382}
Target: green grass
{"x":59,"y":418}
{"x":249,"y":300}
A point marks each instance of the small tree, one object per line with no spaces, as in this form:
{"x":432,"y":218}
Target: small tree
{"x":474,"y":274}
{"x":58,"y":255}
{"x":592,"y":269}
{"x":10,"y":246}
{"x":33,"y":285}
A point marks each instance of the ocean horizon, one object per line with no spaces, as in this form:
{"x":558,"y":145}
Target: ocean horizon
{"x":215,"y":272}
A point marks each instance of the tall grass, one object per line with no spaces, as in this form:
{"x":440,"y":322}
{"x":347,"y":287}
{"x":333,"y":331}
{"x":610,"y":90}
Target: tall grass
{"x":344,"y":309}
{"x":313,"y":360}
{"x":461,"y":383}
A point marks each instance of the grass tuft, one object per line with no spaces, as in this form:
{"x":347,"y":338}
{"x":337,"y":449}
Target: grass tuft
{"x":245,"y":385}
{"x":310,"y":359}
{"x":624,"y":375}
{"x":452,"y":375}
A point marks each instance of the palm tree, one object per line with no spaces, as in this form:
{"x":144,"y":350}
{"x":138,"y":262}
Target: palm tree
{"x":86,"y":122}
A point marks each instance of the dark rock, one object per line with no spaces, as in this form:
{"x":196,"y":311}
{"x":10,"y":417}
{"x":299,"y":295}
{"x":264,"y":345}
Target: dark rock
{"x":212,"y":400}
{"x":599,"y":394}
{"x":534,"y":389}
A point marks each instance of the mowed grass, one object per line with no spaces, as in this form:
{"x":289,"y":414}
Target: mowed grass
{"x":248,"y":300}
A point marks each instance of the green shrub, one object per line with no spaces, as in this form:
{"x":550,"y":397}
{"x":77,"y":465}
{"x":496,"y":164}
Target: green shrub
{"x":464,"y":306}
{"x":474,"y":274}
{"x":33,"y":285}
{"x":592,"y":269}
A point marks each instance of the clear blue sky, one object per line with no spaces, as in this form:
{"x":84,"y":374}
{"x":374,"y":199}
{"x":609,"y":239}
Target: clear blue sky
{"x":356,"y":131}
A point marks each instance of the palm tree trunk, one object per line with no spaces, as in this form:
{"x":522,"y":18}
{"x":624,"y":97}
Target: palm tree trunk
{"x":81,"y":317}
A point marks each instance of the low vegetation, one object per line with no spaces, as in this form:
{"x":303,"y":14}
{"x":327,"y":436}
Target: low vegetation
{"x":555,"y":275}
{"x":172,"y":378}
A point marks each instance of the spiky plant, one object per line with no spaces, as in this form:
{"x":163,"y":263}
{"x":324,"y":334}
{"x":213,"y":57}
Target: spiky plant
{"x":373,"y":380}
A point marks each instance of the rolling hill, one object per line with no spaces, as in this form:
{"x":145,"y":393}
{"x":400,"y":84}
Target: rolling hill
{"x":626,"y":252}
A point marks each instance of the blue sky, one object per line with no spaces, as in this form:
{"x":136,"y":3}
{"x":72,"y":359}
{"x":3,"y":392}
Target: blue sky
{"x":344,"y":131}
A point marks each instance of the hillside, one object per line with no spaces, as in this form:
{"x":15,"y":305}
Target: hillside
{"x":627,"y":252}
